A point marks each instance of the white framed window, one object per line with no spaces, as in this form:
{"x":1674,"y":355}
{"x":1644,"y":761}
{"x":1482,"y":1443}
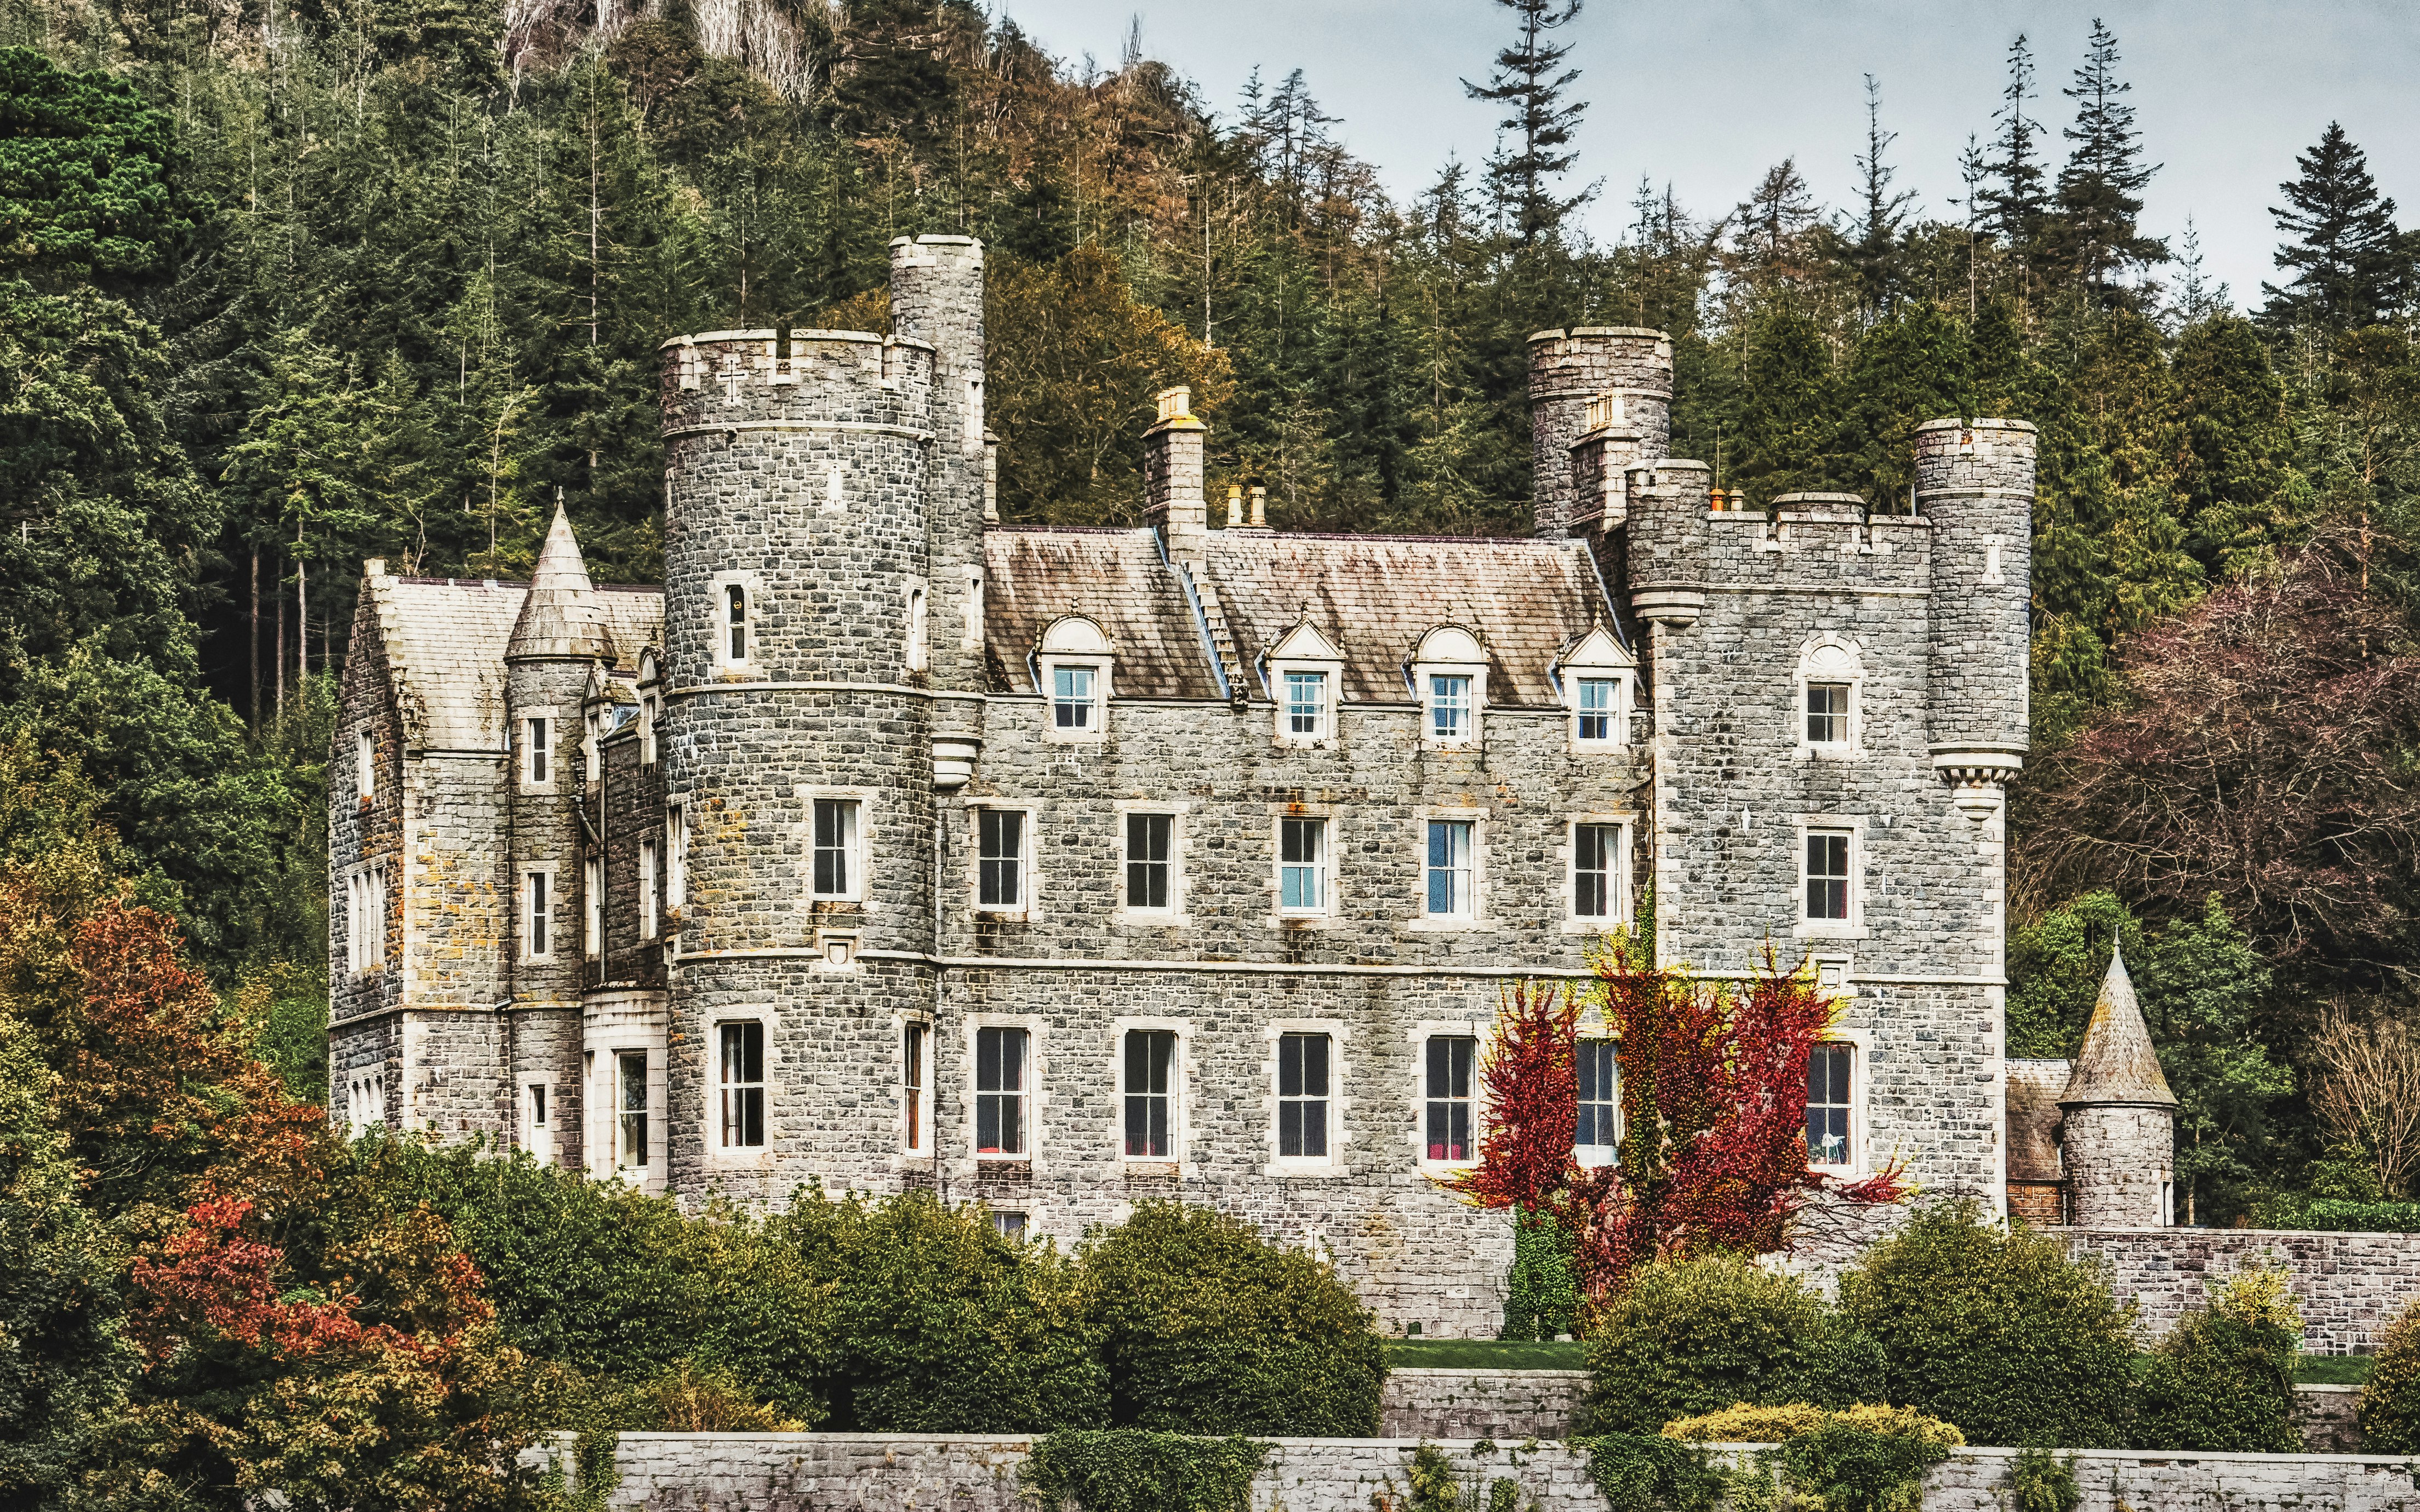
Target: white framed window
{"x":1003,"y":1092}
{"x":592,"y":757}
{"x":591,"y":900}
{"x":916,"y":1087}
{"x":1001,"y":837}
{"x":1596,"y":676}
{"x":1305,"y":680}
{"x":1599,"y":891}
{"x":1303,"y":868}
{"x":1306,"y":1098}
{"x":365,"y":1101}
{"x":1451,"y":869}
{"x":538,"y":914}
{"x":676,"y":856}
{"x":1450,"y":675}
{"x":1149,"y":1084}
{"x":631,"y":1132}
{"x":650,"y":715}
{"x":739,"y":1067}
{"x":1831,"y":1106}
{"x":1073,"y":663}
{"x":536,"y":732}
{"x":734,"y":612}
{"x":1829,"y":900}
{"x":364,"y":764}
{"x":1828,"y":721}
{"x":539,"y":1124}
{"x":836,"y":847}
{"x":650,"y":919}
{"x":366,"y":918}
{"x":1597,"y":1139}
{"x":971,"y":635}
{"x":1008,"y":1224}
{"x":1449,"y":1121}
{"x":920,"y":655}
{"x":1152,"y":881}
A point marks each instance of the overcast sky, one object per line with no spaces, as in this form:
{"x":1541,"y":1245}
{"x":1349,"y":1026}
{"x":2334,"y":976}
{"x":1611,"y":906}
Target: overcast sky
{"x":1707,"y":95}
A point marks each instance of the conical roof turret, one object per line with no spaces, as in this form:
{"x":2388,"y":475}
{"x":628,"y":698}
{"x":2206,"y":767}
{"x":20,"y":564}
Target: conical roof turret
{"x":559,"y":617}
{"x":2116,"y":1064}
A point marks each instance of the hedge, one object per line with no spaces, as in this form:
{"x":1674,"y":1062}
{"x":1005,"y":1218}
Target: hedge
{"x":2221,"y":1381}
{"x":2390,"y":1402}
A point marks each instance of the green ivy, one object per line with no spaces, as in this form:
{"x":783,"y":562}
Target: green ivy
{"x":1543,"y":1296}
{"x":1649,"y":1472}
{"x":2040,"y":1482}
{"x":1845,"y":1468}
{"x":1133,"y":1470}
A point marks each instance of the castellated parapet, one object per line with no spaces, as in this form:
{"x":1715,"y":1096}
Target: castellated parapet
{"x":1626,"y":372}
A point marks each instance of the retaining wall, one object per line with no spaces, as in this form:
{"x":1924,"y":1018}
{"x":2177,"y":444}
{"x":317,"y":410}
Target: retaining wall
{"x":973,"y":1472}
{"x":2349,"y":1285}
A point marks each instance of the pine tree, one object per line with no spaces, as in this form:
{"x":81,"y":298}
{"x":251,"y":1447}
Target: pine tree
{"x":2100,"y":188}
{"x":2348,"y":269}
{"x":1527,"y":79}
{"x":2021,"y":202}
{"x":1874,"y":248}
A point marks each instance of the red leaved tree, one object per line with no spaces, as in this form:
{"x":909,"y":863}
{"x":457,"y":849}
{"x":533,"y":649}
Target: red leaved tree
{"x":1714,"y":1104}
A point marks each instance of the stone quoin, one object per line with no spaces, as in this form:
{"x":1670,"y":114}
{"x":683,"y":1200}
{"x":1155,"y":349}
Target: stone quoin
{"x":887,"y":847}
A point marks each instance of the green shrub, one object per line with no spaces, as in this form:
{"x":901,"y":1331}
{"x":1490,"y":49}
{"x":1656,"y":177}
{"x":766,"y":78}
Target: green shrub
{"x":1843,"y":1467}
{"x":2223,"y":1380}
{"x":944,"y":1325}
{"x":1694,"y":1337}
{"x":2339,"y":1216}
{"x":1208,"y":1328}
{"x":2390,"y":1401}
{"x":609,"y":1282}
{"x":1649,"y":1472}
{"x":1130,"y":1469}
{"x":1995,"y":1330}
{"x":2039,"y":1481}
{"x":1543,"y":1296}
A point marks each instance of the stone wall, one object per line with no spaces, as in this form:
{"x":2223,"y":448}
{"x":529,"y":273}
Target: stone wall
{"x":2328,"y":1418}
{"x":1508,"y":1406}
{"x":970,"y":1473}
{"x":2349,"y":1285}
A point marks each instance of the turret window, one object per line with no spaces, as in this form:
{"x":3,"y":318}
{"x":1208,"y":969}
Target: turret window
{"x":741,"y":1052}
{"x":648,"y":900}
{"x":837,"y":867}
{"x":591,"y":878}
{"x":735,"y":600}
{"x":630,"y":1110}
{"x":733,"y":644}
{"x":537,"y":895}
{"x":365,"y":765}
{"x":916,"y":1086}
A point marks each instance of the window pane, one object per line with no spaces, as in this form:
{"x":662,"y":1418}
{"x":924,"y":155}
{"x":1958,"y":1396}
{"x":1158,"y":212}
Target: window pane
{"x":1302,"y":1096}
{"x":835,"y":846}
{"x":1594,"y":849}
{"x":1001,"y":864}
{"x":1827,"y":876}
{"x":1305,"y":699}
{"x":1148,"y":839}
{"x":632,"y":1108}
{"x":1448,"y":707}
{"x":912,"y":1083}
{"x":736,"y":611}
{"x":1827,"y":712}
{"x":1300,"y":846}
{"x":1148,"y":1056}
{"x":1072,"y":696}
{"x":1828,"y":1069}
{"x":1451,"y":880}
{"x":1596,"y":708}
{"x":1449,"y":1097}
{"x":1000,"y":1091}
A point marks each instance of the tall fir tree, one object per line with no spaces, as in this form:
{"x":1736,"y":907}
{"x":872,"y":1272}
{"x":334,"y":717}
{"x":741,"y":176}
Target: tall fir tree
{"x":1874,"y":248}
{"x":2100,"y":199}
{"x":2350,"y":268}
{"x":1534,"y":86}
{"x":2019,"y":200}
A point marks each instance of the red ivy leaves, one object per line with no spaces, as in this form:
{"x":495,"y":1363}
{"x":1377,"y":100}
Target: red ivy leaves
{"x":1714,"y":1102}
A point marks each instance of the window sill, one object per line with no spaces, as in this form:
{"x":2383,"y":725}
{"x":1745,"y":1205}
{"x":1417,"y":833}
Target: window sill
{"x":1003,"y":915}
{"x":1051,"y":737}
{"x":1144,"y":1166}
{"x":1301,"y":921}
{"x":1811,"y":930}
{"x":1426,"y":925}
{"x":1593,"y":926}
{"x":1308,"y":1170}
{"x":1144,"y":918}
{"x":1600,"y":748}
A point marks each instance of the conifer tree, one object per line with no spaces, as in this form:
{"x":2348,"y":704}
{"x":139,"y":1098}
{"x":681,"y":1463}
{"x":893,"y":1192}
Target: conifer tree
{"x":1531,"y":80}
{"x":2020,"y":202}
{"x":2100,"y":188}
{"x":1874,"y":250}
{"x":2349,"y":269}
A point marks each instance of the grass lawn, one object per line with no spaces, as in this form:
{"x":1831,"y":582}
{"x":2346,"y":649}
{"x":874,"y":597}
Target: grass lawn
{"x":1482,"y":1354}
{"x":2334,"y":1369}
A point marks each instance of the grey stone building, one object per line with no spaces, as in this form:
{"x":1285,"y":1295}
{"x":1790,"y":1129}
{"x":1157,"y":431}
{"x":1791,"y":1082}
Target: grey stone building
{"x":888,"y":846}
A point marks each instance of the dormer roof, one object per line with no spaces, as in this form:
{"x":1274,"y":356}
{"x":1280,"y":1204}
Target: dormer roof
{"x":559,"y":617}
{"x":1304,"y":643}
{"x":1598,"y":648}
{"x":2116,"y":1065}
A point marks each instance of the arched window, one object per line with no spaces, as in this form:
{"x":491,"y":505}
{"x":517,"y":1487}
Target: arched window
{"x":1449,"y":673}
{"x":1075,"y":660}
{"x":1828,"y":719}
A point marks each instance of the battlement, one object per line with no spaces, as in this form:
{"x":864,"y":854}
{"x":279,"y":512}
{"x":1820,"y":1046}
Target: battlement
{"x":1604,"y":391}
{"x":719,"y":379}
{"x":1816,"y":540}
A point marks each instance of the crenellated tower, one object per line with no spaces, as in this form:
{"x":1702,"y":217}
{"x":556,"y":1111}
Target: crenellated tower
{"x":1606,"y":382}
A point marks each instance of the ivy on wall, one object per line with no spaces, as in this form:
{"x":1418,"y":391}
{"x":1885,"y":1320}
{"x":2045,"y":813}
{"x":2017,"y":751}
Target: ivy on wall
{"x":1134,"y":1469}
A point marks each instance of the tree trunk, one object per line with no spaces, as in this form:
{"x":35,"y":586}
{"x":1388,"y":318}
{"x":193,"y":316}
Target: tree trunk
{"x":255,"y":641}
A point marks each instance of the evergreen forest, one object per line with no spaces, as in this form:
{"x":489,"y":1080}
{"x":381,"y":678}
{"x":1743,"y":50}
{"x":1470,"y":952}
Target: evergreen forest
{"x":284,"y":287}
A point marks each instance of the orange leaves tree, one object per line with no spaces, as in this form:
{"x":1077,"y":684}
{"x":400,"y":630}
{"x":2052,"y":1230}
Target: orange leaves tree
{"x":1713,"y":1153}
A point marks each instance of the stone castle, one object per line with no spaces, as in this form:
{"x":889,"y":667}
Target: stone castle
{"x":888,"y":846}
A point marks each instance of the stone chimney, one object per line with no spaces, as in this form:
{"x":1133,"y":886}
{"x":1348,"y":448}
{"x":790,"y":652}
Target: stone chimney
{"x":1173,"y":501}
{"x":2119,"y":1117}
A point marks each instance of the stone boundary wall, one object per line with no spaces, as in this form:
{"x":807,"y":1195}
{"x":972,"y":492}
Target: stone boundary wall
{"x":976,"y":1472}
{"x":2349,"y":1285}
{"x":1512,"y":1405}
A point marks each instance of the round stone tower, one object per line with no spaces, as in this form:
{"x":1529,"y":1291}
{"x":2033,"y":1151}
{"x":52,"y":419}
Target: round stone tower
{"x":1975,"y":484}
{"x":1626,"y":367}
{"x":558,"y":638}
{"x":2118,"y":1141}
{"x":796,"y":748}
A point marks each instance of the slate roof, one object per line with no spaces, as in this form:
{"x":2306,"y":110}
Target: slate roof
{"x":559,"y":613}
{"x":2033,"y":1090}
{"x":2116,"y":1064}
{"x":1114,"y":578}
{"x":1373,"y":596}
{"x":446,"y":639}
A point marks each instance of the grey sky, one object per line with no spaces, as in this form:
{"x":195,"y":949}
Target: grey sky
{"x":1709,"y":95}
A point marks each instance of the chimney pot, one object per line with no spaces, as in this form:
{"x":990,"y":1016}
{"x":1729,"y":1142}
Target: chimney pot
{"x":1234,"y":505}
{"x":1259,"y":507}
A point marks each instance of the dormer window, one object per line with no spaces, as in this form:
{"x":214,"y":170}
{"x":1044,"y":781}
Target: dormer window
{"x":1074,"y":662}
{"x":1829,"y":722}
{"x":734,"y":631}
{"x":1305,"y":673}
{"x":1595,"y":675}
{"x":1450,"y":674}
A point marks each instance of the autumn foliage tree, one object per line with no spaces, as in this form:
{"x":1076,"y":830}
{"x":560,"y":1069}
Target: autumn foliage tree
{"x":1713,"y":1105}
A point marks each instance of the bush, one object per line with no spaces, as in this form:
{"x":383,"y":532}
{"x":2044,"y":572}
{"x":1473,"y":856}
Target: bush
{"x":1865,"y":1458}
{"x":1208,"y":1328}
{"x":943,"y":1324}
{"x":605,"y":1280}
{"x":1695,"y":1337}
{"x":2339,"y":1216}
{"x":2223,"y":1380}
{"x":1744,"y":1424}
{"x":1128,"y":1470}
{"x":1543,"y":1296}
{"x":2390,"y":1401}
{"x":2039,"y":1481}
{"x":1649,"y":1472}
{"x":1995,"y":1330}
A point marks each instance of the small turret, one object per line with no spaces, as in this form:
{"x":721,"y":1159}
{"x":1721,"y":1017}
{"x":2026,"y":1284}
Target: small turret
{"x":559,"y":620}
{"x":1626,"y":372}
{"x":1975,"y":490}
{"x":2119,"y":1140}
